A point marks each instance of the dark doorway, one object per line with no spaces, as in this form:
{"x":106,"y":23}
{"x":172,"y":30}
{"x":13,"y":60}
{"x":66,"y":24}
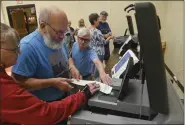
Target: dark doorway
{"x":23,"y":18}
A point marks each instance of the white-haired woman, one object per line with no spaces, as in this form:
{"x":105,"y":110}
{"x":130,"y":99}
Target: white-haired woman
{"x":18,"y":106}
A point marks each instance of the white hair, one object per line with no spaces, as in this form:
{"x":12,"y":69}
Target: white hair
{"x":83,"y":32}
{"x":9,"y":34}
{"x":45,"y":12}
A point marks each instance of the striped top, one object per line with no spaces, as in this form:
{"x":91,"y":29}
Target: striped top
{"x":97,"y":41}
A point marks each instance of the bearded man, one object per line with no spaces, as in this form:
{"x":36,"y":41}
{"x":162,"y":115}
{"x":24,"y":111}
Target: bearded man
{"x":44,"y":58}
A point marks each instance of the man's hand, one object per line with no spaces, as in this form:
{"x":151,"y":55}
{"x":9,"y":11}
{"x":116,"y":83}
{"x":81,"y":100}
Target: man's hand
{"x":75,"y":73}
{"x":90,"y":89}
{"x":62,"y":84}
{"x":93,"y":87}
{"x":106,"y":79}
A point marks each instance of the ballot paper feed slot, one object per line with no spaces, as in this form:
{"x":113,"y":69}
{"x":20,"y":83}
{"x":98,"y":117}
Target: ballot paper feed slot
{"x":104,"y":88}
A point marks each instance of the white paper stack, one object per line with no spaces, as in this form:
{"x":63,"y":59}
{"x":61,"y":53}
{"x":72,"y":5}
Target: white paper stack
{"x":103,"y":87}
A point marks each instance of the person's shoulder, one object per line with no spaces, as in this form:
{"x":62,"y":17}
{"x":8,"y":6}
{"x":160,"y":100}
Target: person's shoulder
{"x":107,"y":24}
{"x":31,"y":38}
{"x":63,"y":46}
{"x":94,"y":30}
{"x":92,"y":52}
{"x":90,"y":49}
{"x":75,"y":46}
{"x":29,"y":42}
{"x":75,"y":50}
{"x":98,"y":31}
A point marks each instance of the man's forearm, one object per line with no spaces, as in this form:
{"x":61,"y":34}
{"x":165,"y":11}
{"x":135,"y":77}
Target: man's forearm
{"x":71,"y":63}
{"x":74,"y":71}
{"x":32,"y":83}
{"x":99,"y":66}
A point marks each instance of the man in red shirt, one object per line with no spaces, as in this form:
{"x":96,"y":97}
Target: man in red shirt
{"x":18,"y":106}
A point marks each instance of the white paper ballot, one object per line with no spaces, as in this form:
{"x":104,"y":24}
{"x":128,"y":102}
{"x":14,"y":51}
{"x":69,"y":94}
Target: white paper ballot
{"x":103,"y":87}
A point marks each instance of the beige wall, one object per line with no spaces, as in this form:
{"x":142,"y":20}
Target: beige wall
{"x":170,"y":12}
{"x":2,"y":17}
{"x":173,"y":33}
{"x":81,"y":9}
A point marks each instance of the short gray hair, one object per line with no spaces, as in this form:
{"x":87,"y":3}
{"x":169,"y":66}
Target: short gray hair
{"x":104,"y":13}
{"x":45,"y":12}
{"x":83,"y":32}
{"x":8,"y":34}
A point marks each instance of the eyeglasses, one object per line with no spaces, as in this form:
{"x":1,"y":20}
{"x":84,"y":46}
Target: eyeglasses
{"x":85,"y":40}
{"x":16,"y":50}
{"x":58,"y":33}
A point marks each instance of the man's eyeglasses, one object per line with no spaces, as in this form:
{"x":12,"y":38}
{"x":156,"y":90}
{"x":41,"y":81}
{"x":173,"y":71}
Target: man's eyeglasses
{"x":16,"y":50}
{"x":85,"y":40}
{"x":58,"y":33}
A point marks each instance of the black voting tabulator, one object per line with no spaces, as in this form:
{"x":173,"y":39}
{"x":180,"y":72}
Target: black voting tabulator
{"x":123,"y":92}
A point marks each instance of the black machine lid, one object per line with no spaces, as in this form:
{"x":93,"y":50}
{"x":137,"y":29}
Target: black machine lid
{"x":151,"y":50}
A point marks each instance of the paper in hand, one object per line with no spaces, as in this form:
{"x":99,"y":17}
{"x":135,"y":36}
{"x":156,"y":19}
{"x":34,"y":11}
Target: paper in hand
{"x":103,"y":87}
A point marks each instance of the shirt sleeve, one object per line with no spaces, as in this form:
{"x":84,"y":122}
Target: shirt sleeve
{"x":109,"y":30}
{"x":101,"y":37}
{"x":28,"y":109}
{"x":65,"y":51}
{"x":92,"y":54}
{"x":26,"y":64}
{"x":73,"y":49}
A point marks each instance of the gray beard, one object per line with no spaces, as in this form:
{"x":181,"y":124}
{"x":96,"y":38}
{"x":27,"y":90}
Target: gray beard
{"x":51,"y":43}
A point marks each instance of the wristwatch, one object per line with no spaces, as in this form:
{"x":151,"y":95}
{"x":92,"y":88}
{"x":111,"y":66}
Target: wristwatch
{"x":86,"y":91}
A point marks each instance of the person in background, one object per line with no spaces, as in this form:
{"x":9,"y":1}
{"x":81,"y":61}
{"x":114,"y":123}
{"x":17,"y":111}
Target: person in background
{"x":18,"y":106}
{"x":84,"y":57}
{"x":69,"y":39}
{"x":69,"y":25}
{"x":97,"y":41}
{"x":44,"y":58}
{"x":81,"y":24}
{"x":72,"y":34}
{"x":71,"y":28}
{"x":106,"y":31}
